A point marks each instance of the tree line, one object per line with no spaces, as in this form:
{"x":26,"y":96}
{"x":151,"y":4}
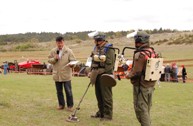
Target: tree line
{"x":50,"y":36}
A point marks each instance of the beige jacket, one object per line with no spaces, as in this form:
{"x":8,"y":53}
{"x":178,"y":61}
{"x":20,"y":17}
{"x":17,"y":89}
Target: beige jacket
{"x":61,"y":72}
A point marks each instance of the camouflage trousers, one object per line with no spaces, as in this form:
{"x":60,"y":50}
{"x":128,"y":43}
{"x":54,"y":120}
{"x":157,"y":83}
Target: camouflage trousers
{"x":142,"y":103}
{"x":104,"y":98}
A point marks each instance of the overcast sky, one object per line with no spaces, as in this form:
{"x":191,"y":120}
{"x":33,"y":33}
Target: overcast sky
{"x":20,"y":16}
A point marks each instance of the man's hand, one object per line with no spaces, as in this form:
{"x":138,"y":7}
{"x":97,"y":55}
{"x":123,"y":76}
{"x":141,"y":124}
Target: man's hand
{"x":56,"y":57}
{"x":89,"y":74}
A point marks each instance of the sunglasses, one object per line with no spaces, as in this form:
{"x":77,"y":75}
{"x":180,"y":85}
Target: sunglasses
{"x":140,"y":38}
{"x":99,"y":40}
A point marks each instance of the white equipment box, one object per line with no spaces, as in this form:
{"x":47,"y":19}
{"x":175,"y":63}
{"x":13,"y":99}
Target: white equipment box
{"x":89,"y":62}
{"x":154,"y":69}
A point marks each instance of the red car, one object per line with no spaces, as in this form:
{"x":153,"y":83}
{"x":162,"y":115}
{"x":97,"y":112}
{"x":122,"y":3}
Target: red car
{"x":28,"y":64}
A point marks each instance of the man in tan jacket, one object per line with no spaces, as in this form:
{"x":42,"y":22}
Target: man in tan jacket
{"x":59,"y":57}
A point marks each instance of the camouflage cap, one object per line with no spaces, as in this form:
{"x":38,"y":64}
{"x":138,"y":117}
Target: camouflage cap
{"x":99,"y":36}
{"x":141,"y":37}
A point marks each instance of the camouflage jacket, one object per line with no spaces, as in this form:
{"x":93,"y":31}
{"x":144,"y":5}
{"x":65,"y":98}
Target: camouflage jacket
{"x":108,"y":65}
{"x":137,"y":74}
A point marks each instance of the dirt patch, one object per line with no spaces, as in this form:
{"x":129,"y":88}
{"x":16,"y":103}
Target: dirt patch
{"x":189,"y":80}
{"x":179,"y":60}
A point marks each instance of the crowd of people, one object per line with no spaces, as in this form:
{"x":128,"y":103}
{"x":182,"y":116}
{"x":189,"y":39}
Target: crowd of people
{"x":172,"y":72}
{"x":103,"y":61}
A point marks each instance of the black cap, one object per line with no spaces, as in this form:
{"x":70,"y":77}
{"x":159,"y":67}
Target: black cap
{"x":99,"y":37}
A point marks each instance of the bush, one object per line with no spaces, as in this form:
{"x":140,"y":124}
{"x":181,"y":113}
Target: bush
{"x":2,"y":49}
{"x":24,"y":47}
{"x":3,"y":43}
{"x":78,"y":41}
{"x":159,"y":42}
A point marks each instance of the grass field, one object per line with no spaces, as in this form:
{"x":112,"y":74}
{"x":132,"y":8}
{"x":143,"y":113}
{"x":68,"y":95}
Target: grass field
{"x":30,"y":100}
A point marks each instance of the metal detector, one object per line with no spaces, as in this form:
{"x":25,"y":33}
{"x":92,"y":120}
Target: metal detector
{"x":73,"y":117}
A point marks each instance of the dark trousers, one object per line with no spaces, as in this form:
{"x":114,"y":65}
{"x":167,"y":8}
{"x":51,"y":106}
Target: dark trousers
{"x":184,"y":78}
{"x":175,"y":75}
{"x":104,"y":98}
{"x":68,"y":91}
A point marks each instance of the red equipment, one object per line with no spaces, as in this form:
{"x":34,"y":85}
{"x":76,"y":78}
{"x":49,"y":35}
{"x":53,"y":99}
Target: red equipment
{"x":28,"y":64}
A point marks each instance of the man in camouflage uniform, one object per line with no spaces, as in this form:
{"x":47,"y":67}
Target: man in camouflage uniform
{"x":142,"y":89}
{"x":103,"y":58}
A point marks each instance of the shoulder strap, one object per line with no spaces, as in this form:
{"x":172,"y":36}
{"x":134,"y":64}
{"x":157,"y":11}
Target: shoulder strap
{"x":107,"y":47}
{"x":148,"y":53}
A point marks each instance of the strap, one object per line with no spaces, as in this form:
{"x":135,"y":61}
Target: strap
{"x":107,"y":47}
{"x":148,"y":53}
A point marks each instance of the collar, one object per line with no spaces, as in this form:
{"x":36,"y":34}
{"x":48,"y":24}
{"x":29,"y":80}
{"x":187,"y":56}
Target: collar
{"x":63,"y":49}
{"x":146,"y":45}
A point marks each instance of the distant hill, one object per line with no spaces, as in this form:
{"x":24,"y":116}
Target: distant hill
{"x":41,"y":41}
{"x":49,"y":36}
{"x":176,"y":38}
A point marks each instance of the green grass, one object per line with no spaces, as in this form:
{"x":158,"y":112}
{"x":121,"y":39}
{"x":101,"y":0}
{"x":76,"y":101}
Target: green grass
{"x":30,"y":100}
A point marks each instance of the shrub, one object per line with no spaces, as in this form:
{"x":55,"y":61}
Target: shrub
{"x":78,"y":41}
{"x":24,"y":47}
{"x":2,"y":49}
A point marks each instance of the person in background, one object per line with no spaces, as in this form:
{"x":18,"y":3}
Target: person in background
{"x":60,"y":57}
{"x":16,"y":65}
{"x":175,"y":72}
{"x":184,"y":73}
{"x":167,"y":72}
{"x":5,"y":67}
